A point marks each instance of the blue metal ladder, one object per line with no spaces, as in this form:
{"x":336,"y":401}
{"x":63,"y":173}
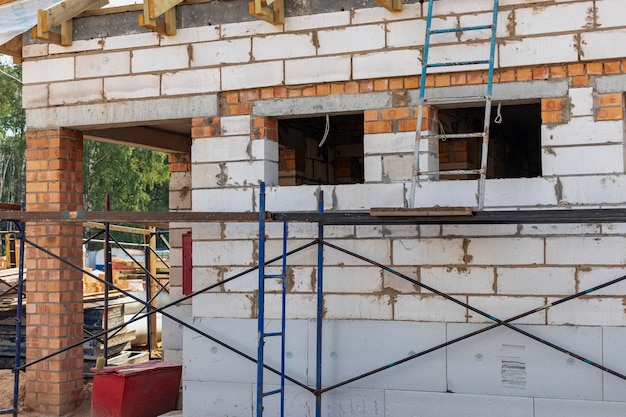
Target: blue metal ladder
{"x":262,"y":334}
{"x":421,"y":134}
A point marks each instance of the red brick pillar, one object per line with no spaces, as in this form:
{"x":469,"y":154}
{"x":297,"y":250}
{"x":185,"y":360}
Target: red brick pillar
{"x":54,"y":291}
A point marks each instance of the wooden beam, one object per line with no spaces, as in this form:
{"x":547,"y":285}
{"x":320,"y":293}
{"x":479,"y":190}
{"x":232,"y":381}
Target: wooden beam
{"x":6,"y":2}
{"x":152,"y":9}
{"x":61,"y":14}
{"x":143,"y":137}
{"x":274,"y":15}
{"x":392,"y":5}
{"x":13,"y":48}
{"x":159,"y":7}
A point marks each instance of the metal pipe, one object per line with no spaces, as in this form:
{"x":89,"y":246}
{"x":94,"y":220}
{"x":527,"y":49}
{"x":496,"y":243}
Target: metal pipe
{"x":490,"y":317}
{"x":261,"y":304}
{"x":283,"y":321}
{"x":18,"y":319}
{"x":320,"y":306}
{"x":174,"y":303}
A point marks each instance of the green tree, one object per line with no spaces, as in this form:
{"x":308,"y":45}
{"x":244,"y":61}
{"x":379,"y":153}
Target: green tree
{"x":135,"y":179}
{"x":12,"y":135}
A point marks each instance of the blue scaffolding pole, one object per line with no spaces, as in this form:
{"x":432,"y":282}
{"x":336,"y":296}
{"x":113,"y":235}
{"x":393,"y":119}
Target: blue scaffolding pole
{"x":261,"y":333}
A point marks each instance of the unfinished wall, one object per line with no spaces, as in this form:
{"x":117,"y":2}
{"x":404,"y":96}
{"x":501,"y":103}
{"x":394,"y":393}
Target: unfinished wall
{"x":236,"y":81}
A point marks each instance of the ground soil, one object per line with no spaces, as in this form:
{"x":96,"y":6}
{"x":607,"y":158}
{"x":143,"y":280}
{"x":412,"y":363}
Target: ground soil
{"x":6,"y":396}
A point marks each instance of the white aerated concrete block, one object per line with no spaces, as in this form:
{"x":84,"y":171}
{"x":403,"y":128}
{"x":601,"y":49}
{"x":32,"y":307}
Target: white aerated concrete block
{"x":247,"y":172}
{"x":471,"y":230}
{"x":317,"y":70}
{"x":585,"y":250}
{"x":406,"y":33}
{"x":538,"y":51}
{"x":134,"y":86}
{"x":224,"y":399}
{"x":459,"y":280}
{"x":536,"y":281}
{"x":261,"y":74}
{"x":505,"y":251}
{"x":207,"y":176}
{"x":520,"y":192}
{"x":301,"y":198}
{"x":190,"y":82}
{"x":504,"y":362}
{"x":192,"y":35}
{"x":315,"y":21}
{"x":589,"y":312}
{"x":34,"y":96}
{"x":592,"y":277}
{"x":264,"y":149}
{"x":366,"y":196}
{"x":614,"y":344}
{"x":504,"y":308}
{"x":593,"y":190}
{"x":227,"y":252}
{"x":299,"y":306}
{"x":559,"y":229}
{"x":547,"y":407}
{"x":352,"y":280}
{"x":160,"y":59}
{"x":594,"y":45}
{"x":377,"y":14}
{"x":460,"y":52}
{"x":434,"y":404}
{"x":235,"y":125}
{"x":75,"y":92}
{"x":397,"y":281}
{"x":251,"y":28}
{"x":377,"y":64}
{"x":384,"y":143}
{"x":607,"y":159}
{"x":219,"y":149}
{"x":397,"y":167}
{"x":209,"y":54}
{"x":481,"y":19}
{"x":133,"y":41}
{"x":609,"y":13}
{"x":583,"y":131}
{"x":372,"y":166}
{"x":350,"y":39}
{"x":351,"y":348}
{"x":229,"y":199}
{"x":445,"y":193}
{"x":47,"y":70}
{"x":369,"y":231}
{"x":103,"y":65}
{"x":347,"y":306}
{"x":377,"y":250}
{"x":224,"y":305}
{"x":429,"y":308}
{"x":35,"y":50}
{"x":428,"y":252}
{"x":581,"y":102}
{"x":204,"y":277}
{"x":283,"y":46}
{"x":538,"y":20}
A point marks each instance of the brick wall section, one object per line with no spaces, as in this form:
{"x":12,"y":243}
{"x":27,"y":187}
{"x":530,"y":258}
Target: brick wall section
{"x":610,"y":106}
{"x":54,"y":291}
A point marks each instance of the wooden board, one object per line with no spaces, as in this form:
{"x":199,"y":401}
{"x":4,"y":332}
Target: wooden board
{"x":420,"y":212}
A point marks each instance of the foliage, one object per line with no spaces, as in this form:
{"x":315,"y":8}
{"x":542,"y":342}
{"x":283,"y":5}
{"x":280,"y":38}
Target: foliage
{"x":12,"y":135}
{"x":135,"y":179}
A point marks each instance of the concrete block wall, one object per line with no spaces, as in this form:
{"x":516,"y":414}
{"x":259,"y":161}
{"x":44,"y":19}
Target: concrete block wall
{"x":235,"y":81}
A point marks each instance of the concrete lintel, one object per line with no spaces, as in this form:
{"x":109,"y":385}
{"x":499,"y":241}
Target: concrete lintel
{"x":611,"y":84}
{"x":310,"y":106}
{"x":506,"y":92}
{"x":127,"y":113}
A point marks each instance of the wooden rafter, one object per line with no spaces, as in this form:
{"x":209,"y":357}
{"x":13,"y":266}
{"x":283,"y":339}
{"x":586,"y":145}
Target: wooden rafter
{"x":13,"y":48}
{"x":61,"y":14}
{"x":392,"y":5}
{"x":262,"y":10}
{"x":153,"y":9}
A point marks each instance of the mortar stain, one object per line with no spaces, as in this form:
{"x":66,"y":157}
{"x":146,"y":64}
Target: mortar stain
{"x":290,"y":280}
{"x":467,"y":258}
{"x":222,"y":177}
{"x":254,"y":301}
{"x":578,"y":43}
{"x":315,"y":40}
{"x":558,"y":190}
{"x":511,"y":23}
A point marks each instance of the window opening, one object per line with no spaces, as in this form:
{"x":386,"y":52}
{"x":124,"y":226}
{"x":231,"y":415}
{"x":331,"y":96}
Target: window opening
{"x":514,"y":144}
{"x":339,"y":159}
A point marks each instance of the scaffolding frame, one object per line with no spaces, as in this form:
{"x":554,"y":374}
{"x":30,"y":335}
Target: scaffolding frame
{"x":395,"y":217}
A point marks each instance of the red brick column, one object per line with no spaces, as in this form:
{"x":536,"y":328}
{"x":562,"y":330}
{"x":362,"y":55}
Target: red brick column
{"x":54,"y":291}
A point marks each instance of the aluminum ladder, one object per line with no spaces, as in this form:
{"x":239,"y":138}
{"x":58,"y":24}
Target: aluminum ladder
{"x":262,"y":333}
{"x":422,"y":101}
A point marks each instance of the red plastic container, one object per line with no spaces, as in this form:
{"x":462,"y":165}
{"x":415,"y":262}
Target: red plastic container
{"x":141,"y":390}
